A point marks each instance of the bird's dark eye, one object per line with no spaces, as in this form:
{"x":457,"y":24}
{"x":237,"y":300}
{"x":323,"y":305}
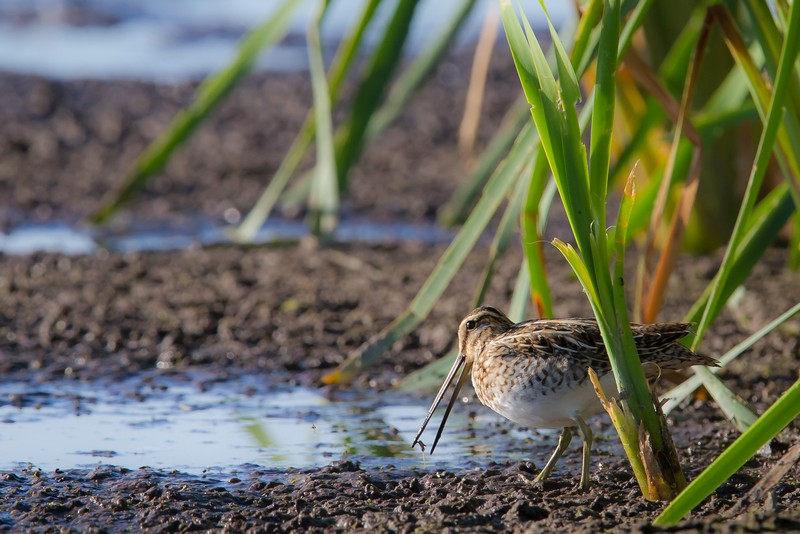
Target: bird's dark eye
{"x":471,"y":325}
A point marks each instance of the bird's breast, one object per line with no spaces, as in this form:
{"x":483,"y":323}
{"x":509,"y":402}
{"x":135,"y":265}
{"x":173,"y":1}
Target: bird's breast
{"x":538,"y":393}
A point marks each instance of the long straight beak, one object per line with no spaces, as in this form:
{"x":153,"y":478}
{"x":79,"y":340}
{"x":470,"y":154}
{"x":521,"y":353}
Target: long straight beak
{"x":460,"y":359}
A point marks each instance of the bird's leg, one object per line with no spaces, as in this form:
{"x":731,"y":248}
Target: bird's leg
{"x":586,"y":433}
{"x":563,"y":443}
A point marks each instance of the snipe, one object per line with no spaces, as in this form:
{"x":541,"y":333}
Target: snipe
{"x":536,"y":373}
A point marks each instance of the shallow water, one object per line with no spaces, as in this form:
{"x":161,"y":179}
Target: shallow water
{"x":174,"y":235}
{"x":175,"y":40}
{"x":173,"y":424}
{"x":196,"y":427}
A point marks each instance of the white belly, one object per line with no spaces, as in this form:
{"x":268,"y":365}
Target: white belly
{"x":556,"y":409}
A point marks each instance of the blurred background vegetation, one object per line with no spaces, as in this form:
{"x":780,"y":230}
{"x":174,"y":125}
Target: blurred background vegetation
{"x":705,"y":108}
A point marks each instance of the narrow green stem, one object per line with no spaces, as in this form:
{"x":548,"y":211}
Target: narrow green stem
{"x":776,"y":418}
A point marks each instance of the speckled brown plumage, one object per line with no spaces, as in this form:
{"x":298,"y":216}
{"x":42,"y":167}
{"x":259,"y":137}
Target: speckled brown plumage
{"x":549,"y":356}
{"x":535,"y":373}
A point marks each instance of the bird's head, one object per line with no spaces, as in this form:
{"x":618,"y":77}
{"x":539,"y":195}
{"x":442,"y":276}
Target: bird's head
{"x":479,"y":327}
{"x":474,"y":332}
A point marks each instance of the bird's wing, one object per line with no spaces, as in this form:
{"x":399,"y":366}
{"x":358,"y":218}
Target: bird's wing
{"x":575,"y":342}
{"x":654,"y":337}
{"x":580,"y":341}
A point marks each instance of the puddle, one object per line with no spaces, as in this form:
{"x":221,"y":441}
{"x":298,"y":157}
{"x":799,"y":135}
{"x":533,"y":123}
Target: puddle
{"x":142,"y":237}
{"x":174,"y":425}
{"x":187,"y":39}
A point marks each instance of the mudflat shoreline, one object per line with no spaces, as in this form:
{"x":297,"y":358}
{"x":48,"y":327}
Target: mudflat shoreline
{"x":292,"y":312}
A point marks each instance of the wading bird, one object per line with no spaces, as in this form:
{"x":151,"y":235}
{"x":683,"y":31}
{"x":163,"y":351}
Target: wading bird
{"x":536,"y":373}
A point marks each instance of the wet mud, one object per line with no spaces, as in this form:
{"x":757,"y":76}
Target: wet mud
{"x":290,"y":313}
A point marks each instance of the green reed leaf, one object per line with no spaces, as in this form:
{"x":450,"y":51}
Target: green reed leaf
{"x":768,"y":218}
{"x":567,"y":79}
{"x":680,"y":392}
{"x":603,"y":112}
{"x":775,"y":419}
{"x":502,"y":236}
{"x":423,"y":65}
{"x":342,"y":62}
{"x":496,"y":190}
{"x":574,"y":260}
{"x":208,"y":95}
{"x":324,"y":198}
{"x":382,"y":64}
{"x":766,"y":144}
{"x":430,"y":377}
{"x":518,"y":308}
{"x":532,"y":224}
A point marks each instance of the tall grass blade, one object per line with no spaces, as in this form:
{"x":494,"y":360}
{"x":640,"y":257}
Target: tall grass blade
{"x":791,"y":46}
{"x":794,"y":244}
{"x":457,"y":208}
{"x":384,"y":61}
{"x":468,"y":129}
{"x":634,"y":22}
{"x":413,"y":77}
{"x":532,"y":224}
{"x":540,"y":195}
{"x":564,"y":152}
{"x":775,"y":419}
{"x":261,"y":210}
{"x":496,"y":190}
{"x":324,"y":198}
{"x":732,"y":405}
{"x":502,"y":236}
{"x":769,"y":33}
{"x":208,"y":95}
{"x":789,"y":136}
{"x":586,"y":25}
{"x":679,"y":393}
{"x":518,"y":309}
{"x":623,"y":219}
{"x":588,"y":35}
{"x":567,"y":79}
{"x":768,"y":218}
{"x":574,"y":260}
{"x":603,"y":112}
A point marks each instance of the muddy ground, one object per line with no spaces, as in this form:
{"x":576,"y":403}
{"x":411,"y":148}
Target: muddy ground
{"x":293,"y":312}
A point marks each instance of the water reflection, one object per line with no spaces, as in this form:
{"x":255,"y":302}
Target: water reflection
{"x":170,"y":424}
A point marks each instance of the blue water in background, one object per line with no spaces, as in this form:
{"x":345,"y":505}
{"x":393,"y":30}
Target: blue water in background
{"x":171,"y":41}
{"x":175,"y":40}
{"x":244,"y":421}
{"x":59,"y":237}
